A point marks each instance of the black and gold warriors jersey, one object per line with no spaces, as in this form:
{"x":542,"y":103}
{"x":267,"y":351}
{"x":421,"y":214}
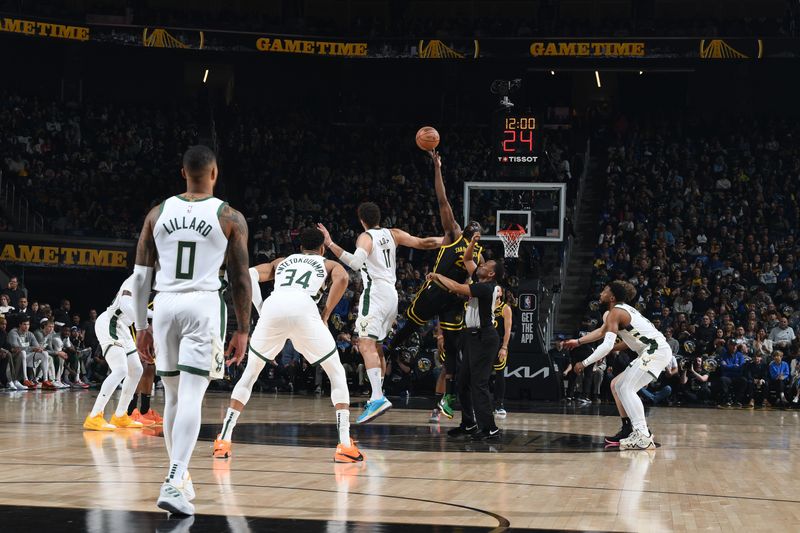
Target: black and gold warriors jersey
{"x":450,"y":261}
{"x":499,"y":320}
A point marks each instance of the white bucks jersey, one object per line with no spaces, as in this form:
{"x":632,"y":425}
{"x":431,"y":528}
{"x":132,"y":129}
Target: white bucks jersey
{"x":115,"y":311}
{"x":641,"y":335}
{"x":303,"y":272}
{"x":191,"y":245}
{"x":380,"y":264}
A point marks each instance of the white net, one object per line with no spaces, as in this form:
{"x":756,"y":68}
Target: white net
{"x":511,"y":239}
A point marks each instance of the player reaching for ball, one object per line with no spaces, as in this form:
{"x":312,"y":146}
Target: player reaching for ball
{"x":433,"y":299}
{"x":640,"y":335}
{"x":375,"y":258}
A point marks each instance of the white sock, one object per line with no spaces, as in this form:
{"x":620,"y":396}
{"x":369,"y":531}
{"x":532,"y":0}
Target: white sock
{"x":343,"y":425}
{"x":374,"y":376}
{"x":228,"y":423}
{"x":177,"y":471}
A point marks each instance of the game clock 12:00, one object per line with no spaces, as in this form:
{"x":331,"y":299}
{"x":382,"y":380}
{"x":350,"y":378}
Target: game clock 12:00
{"x":516,"y":139}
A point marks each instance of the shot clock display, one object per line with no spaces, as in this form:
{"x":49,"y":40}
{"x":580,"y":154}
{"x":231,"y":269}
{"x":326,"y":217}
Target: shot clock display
{"x":516,"y":139}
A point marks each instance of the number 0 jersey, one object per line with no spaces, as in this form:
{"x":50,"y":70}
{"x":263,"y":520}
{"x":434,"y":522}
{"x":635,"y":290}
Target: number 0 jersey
{"x":191,"y":245}
{"x":641,"y":335}
{"x":303,"y":272}
{"x":380,"y":264}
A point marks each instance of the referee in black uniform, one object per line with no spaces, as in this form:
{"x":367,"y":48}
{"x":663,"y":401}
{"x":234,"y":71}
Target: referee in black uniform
{"x":480,"y":345}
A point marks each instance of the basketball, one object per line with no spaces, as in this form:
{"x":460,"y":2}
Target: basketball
{"x":427,"y":138}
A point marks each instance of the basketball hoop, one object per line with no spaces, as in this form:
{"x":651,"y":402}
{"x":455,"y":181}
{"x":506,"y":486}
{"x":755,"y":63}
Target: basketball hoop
{"x":511,"y":238}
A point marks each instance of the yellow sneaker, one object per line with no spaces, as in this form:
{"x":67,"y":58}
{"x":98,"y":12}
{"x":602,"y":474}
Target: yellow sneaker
{"x":97,"y":423}
{"x":125,"y":421}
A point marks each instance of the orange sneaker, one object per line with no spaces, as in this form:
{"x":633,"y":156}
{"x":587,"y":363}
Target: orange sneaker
{"x":30,"y":384}
{"x":136,"y":416}
{"x":125,"y":421}
{"x":48,"y":385}
{"x":222,"y":448}
{"x":348,"y":454}
{"x":154,"y":416}
{"x":97,"y":423}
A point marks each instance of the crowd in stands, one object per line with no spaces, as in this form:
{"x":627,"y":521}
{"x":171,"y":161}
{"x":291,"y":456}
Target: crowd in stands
{"x":702,"y":219}
{"x":83,"y":167}
{"x":103,"y":157}
{"x":43,"y":347}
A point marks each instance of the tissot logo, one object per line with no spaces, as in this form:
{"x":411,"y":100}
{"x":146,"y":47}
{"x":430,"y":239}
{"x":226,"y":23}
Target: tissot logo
{"x":517,"y":159}
{"x":526,"y":372}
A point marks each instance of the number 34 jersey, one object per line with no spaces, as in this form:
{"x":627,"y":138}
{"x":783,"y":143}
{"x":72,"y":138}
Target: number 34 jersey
{"x":191,"y":245}
{"x":302,"y":272}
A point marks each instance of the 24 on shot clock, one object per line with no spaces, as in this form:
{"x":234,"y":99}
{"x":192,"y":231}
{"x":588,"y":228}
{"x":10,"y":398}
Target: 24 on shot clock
{"x":516,"y":139}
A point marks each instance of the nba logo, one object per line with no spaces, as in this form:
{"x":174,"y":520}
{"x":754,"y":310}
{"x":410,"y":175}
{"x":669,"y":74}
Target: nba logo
{"x":527,"y":302}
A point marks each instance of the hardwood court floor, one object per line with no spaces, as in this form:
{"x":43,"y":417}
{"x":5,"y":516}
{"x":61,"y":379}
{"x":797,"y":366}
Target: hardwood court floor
{"x":729,"y":470}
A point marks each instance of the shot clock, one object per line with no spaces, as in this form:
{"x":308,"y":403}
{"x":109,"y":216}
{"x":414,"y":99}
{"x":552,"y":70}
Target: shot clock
{"x":516,"y":139}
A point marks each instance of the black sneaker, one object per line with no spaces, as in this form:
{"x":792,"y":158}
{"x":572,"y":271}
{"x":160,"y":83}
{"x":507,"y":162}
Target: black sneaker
{"x":624,"y":432}
{"x":461,"y":431}
{"x":486,"y":434}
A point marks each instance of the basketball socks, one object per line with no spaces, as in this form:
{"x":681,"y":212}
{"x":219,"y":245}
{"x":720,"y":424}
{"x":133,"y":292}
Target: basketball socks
{"x":343,"y":426}
{"x":145,"y":403}
{"x":132,"y":405}
{"x":228,"y":423}
{"x":177,"y":470}
{"x":374,"y":375}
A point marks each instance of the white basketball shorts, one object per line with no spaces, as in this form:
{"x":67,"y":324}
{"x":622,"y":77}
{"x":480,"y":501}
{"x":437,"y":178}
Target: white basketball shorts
{"x":377,"y":310}
{"x":188,"y":329}
{"x":111,"y":331}
{"x":291,"y":315}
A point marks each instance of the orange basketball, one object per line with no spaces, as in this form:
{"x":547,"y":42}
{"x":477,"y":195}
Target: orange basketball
{"x":427,"y":138}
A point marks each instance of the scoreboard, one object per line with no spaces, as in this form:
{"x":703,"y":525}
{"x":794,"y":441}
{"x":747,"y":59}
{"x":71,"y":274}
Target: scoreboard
{"x":515,"y":139}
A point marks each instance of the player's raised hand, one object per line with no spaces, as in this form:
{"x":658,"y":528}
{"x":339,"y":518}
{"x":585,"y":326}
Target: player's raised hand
{"x":144,"y":345}
{"x":475,"y":237}
{"x":571,"y":344}
{"x":325,"y":234}
{"x":237,"y":348}
{"x":437,"y":159}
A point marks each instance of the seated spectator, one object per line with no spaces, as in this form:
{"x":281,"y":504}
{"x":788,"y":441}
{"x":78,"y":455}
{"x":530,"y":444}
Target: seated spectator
{"x":757,"y":375}
{"x":5,"y":306}
{"x":26,"y":352}
{"x":695,"y":384}
{"x":731,"y":364}
{"x":782,"y":335}
{"x":778,"y":376}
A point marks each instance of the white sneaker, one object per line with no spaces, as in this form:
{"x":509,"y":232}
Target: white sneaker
{"x":58,"y":384}
{"x":19,"y":385}
{"x":500,"y":413}
{"x":188,"y":486}
{"x":794,"y":400}
{"x":11,"y":385}
{"x":173,"y":500}
{"x":637,"y":441}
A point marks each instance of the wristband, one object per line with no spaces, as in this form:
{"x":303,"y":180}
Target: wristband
{"x":578,"y":341}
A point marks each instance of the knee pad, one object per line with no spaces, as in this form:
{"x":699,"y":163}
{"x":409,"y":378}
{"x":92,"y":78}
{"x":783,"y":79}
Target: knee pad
{"x":335,"y":371}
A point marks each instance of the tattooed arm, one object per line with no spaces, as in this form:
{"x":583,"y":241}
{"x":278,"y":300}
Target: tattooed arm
{"x":146,"y":256}
{"x":235,"y":228}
